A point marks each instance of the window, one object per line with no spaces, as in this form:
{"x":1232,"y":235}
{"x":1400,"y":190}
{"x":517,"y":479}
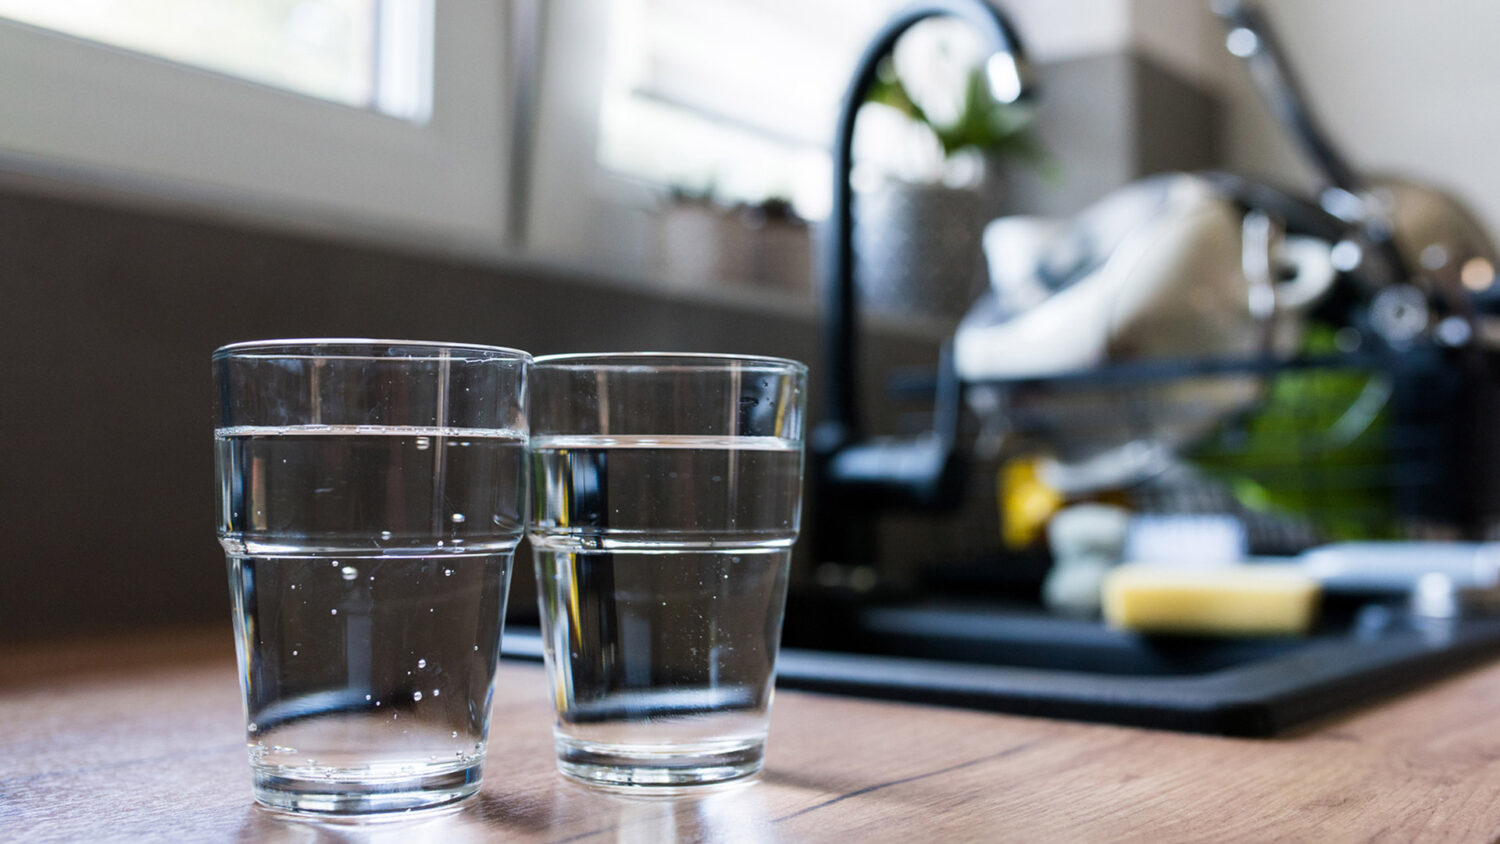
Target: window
{"x":421,"y":156}
{"x":363,"y":53}
{"x":734,"y":97}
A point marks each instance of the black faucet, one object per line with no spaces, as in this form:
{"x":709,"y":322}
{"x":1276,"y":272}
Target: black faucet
{"x":852,"y":474}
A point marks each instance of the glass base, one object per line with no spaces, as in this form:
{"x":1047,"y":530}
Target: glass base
{"x":655,"y":767}
{"x":333,"y":796}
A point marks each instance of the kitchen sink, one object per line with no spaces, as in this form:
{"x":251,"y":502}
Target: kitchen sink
{"x":1017,"y":659}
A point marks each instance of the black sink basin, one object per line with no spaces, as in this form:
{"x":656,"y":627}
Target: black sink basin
{"x":1026,"y":638}
{"x":1021,"y":661}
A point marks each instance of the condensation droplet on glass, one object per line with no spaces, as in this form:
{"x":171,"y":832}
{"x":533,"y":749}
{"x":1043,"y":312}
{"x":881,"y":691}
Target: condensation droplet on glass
{"x":423,"y":443}
{"x":350,"y":572}
{"x":385,"y":534}
{"x":457,"y":518}
{"x":421,"y":663}
{"x":416,"y":695}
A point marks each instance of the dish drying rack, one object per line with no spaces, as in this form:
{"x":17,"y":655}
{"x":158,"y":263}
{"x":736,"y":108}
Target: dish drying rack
{"x":1321,"y":447}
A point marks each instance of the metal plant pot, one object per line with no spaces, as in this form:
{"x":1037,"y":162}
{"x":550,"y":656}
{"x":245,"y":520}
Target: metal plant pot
{"x":918,"y":249}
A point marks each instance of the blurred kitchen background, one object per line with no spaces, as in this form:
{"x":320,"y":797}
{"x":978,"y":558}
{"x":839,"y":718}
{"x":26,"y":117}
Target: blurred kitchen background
{"x":655,"y":174}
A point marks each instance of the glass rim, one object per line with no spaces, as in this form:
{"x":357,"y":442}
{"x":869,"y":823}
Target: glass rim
{"x":302,"y":347}
{"x":708,"y":361}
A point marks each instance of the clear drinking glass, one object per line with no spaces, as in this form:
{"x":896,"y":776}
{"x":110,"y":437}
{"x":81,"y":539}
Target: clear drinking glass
{"x":370,"y":496}
{"x":666,"y":498}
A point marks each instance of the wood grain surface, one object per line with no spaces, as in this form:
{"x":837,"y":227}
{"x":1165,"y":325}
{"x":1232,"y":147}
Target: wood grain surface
{"x":141,"y":739}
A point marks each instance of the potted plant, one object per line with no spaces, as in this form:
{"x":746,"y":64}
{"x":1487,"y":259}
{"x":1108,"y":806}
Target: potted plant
{"x":931,"y":148}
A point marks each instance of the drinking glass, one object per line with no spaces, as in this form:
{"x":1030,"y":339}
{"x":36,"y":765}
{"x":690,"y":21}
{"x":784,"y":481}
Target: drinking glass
{"x":666,"y":499}
{"x":370,"y":496}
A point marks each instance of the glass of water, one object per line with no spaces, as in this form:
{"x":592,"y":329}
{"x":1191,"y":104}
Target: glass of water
{"x":666,"y":498}
{"x":370,"y":496}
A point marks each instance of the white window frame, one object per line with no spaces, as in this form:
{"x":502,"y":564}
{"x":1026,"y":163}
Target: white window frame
{"x":78,"y":112}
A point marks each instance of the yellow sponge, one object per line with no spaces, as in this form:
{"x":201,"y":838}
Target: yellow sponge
{"x":1242,"y":600}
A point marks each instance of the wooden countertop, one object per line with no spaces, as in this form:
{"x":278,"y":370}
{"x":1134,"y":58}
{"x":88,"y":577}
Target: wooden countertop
{"x":140,"y":738}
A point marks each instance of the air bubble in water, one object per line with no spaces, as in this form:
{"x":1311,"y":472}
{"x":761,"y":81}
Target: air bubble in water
{"x":437,"y":692}
{"x":421,"y":663}
{"x":333,"y":612}
{"x":252,"y":727}
{"x":294,"y":653}
{"x":447,"y":572}
{"x":416,"y":695}
{"x":350,"y":572}
{"x":385,"y":534}
{"x":455,"y":733}
{"x":457,"y":518}
{"x":423,"y":443}
{"x":367,"y":697}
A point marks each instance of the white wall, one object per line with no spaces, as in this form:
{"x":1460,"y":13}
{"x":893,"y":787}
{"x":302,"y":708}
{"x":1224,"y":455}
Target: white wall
{"x":1062,"y":29}
{"x":1402,"y":86}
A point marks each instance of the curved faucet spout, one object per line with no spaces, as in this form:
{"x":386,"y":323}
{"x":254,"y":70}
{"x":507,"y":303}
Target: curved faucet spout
{"x":921,"y":473}
{"x":1009,"y":78}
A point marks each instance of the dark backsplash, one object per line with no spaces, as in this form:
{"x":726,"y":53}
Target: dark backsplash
{"x":109,"y":318}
